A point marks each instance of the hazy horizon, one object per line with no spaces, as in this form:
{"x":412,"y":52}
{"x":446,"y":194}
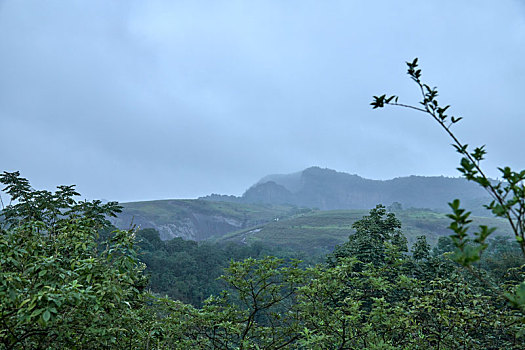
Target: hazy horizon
{"x":160,"y":99}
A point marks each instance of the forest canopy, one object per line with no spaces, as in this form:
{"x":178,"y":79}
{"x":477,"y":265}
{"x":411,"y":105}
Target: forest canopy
{"x":66,"y":281}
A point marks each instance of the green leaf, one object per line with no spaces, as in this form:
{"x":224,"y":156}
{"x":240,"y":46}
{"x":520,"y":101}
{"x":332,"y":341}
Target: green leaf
{"x":46,"y":316}
{"x":36,"y":313}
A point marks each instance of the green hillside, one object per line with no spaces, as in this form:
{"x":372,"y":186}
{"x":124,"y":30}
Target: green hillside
{"x":284,"y":226}
{"x":198,"y":219}
{"x":318,"y":232}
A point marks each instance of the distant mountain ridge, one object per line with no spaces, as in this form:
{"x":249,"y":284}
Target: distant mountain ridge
{"x":328,"y":189}
{"x":276,"y":198}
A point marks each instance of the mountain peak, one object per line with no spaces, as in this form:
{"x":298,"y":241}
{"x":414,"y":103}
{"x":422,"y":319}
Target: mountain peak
{"x":324,"y":188}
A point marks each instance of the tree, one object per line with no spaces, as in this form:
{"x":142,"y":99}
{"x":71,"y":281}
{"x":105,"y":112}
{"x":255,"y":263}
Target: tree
{"x":397,"y":301}
{"x":373,"y":233}
{"x":261,"y":313}
{"x":59,"y":286}
{"x":421,"y":249}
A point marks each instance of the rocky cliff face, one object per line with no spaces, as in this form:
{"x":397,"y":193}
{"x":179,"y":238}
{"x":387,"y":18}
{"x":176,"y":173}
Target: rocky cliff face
{"x":196,"y":227}
{"x":196,"y":219}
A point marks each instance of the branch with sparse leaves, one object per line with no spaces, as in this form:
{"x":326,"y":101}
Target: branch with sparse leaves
{"x":508,"y":197}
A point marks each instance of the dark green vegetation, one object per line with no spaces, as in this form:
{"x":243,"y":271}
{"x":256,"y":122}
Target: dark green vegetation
{"x":60,"y":286}
{"x":189,"y":271}
{"x":66,"y":281}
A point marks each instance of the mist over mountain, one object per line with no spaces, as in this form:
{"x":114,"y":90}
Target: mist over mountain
{"x":276,"y":197}
{"x":328,"y":189}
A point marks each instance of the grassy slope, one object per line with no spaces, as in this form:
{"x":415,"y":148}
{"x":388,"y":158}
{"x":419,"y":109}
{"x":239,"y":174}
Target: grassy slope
{"x":318,"y":232}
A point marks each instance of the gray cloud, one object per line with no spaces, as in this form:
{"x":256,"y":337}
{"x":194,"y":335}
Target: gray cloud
{"x":160,"y":99}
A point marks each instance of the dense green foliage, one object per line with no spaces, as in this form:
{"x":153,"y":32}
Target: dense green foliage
{"x":189,"y":271}
{"x":378,"y":298}
{"x":374,"y":234}
{"x":59,"y":286}
{"x":62,"y":285}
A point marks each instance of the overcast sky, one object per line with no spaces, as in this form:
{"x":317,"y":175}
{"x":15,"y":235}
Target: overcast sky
{"x":138,"y":100}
